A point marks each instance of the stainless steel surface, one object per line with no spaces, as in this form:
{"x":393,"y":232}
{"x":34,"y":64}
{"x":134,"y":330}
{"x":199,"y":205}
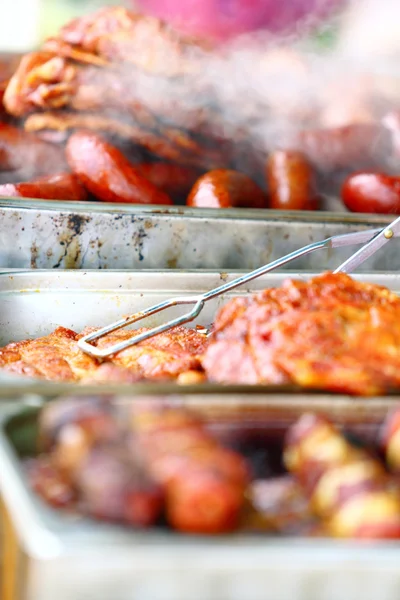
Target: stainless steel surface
{"x":72,"y":560}
{"x":373,"y":236}
{"x":379,"y":241}
{"x":34,"y":303}
{"x":41,"y":234}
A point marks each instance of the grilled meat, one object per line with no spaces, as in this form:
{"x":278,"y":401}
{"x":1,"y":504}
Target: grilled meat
{"x":56,"y":357}
{"x":331,"y":333}
{"x":127,"y":467}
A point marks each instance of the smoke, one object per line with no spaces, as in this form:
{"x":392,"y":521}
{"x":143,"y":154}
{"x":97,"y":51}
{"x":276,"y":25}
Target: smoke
{"x":247,"y":96}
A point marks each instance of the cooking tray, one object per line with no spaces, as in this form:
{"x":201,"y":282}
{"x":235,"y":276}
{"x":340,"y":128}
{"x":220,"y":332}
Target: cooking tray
{"x":34,"y":303}
{"x":96,"y":235}
{"x":55,"y":555}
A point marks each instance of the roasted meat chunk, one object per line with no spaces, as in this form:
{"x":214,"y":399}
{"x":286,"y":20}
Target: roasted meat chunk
{"x":57,"y":357}
{"x":331,"y":333}
{"x":129,"y":464}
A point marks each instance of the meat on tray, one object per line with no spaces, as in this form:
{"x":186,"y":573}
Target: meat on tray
{"x":330,"y":333}
{"x":57,"y":357}
{"x":154,"y":460}
{"x":149,"y":463}
{"x":150,"y":94}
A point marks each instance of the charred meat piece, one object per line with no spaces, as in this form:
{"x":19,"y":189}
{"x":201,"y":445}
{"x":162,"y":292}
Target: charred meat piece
{"x":204,"y":482}
{"x":347,"y":487}
{"x":55,"y":187}
{"x":330,"y":333}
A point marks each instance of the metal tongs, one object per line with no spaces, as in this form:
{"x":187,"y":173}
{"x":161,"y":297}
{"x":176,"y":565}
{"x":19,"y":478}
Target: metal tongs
{"x":373,"y":239}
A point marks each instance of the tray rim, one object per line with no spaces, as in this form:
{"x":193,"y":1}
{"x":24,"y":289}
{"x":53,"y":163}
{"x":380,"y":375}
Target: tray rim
{"x":109,"y":209}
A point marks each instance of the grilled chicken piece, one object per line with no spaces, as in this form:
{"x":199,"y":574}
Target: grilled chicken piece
{"x":56,"y":357}
{"x":329,"y":333}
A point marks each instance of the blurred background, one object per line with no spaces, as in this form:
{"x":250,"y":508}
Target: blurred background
{"x":41,"y":18}
{"x":361,"y":28}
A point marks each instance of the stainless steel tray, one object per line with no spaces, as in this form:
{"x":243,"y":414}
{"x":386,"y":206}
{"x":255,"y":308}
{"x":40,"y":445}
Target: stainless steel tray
{"x":72,"y":235}
{"x":55,"y":555}
{"x":34,"y":303}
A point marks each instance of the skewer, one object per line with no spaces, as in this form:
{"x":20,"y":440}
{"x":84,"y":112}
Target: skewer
{"x":373,"y":239}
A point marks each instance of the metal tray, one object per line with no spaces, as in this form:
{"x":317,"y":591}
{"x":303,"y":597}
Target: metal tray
{"x":33,"y":303}
{"x":95,"y":235}
{"x":54,"y":555}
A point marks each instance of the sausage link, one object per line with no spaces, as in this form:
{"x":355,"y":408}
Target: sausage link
{"x":224,"y":188}
{"x":291,"y":181}
{"x":107,"y":174}
{"x":204,"y":482}
{"x":56,"y":187}
{"x":372,"y":193}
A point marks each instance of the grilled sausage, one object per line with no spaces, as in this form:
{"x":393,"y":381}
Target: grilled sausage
{"x":290,"y":181}
{"x":223,"y":188}
{"x":372,"y":193}
{"x":56,"y":187}
{"x":107,"y":174}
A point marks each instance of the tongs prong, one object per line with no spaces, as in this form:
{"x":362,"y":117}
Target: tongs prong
{"x":198,"y":301}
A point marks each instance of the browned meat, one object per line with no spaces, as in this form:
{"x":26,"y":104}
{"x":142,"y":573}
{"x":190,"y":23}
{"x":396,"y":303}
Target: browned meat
{"x":57,"y":357}
{"x":329,"y":333}
{"x":127,"y":466}
{"x":165,"y":356}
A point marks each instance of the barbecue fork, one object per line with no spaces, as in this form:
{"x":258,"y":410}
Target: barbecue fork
{"x":373,"y":240}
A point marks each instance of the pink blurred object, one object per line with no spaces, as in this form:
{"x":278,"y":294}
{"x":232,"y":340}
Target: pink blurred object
{"x":225,"y":19}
